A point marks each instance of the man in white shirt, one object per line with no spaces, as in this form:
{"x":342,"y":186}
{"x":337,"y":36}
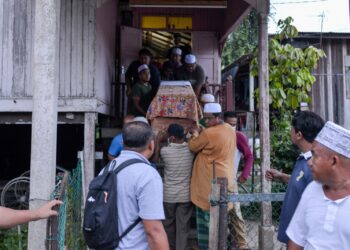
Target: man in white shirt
{"x":322,"y":216}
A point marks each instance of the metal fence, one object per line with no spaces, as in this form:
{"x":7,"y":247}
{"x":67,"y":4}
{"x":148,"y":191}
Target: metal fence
{"x":248,"y":206}
{"x":64,"y":231}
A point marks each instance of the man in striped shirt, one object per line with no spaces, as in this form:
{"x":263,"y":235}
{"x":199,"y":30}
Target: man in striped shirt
{"x":178,"y":208}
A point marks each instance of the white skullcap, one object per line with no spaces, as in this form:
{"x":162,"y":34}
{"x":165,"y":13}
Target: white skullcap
{"x":140,"y":119}
{"x":207,"y":98}
{"x":142,"y":67}
{"x":335,"y":138}
{"x":177,"y":51}
{"x":212,"y":108}
{"x":190,"y":59}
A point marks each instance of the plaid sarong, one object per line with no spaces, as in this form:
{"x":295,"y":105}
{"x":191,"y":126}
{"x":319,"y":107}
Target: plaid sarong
{"x":202,"y":219}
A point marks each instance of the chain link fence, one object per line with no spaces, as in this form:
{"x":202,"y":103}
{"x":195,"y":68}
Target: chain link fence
{"x":65,"y":229}
{"x":250,"y":208}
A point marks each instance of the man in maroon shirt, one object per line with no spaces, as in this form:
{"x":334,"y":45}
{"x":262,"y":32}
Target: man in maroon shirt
{"x":236,"y":222}
{"x":230,"y":117}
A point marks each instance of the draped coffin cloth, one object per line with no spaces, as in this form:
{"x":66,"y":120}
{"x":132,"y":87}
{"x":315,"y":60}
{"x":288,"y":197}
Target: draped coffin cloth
{"x":162,"y":123}
{"x":175,"y":99}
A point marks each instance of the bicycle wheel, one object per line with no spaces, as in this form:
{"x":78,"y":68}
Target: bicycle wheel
{"x":58,"y":170}
{"x":16,"y":193}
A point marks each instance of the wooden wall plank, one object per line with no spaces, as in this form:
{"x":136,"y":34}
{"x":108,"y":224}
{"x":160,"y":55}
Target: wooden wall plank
{"x":1,"y":42}
{"x":91,"y":45}
{"x":86,"y":52}
{"x":19,"y":48}
{"x":62,"y":58}
{"x":28,"y":89}
{"x":68,"y":49}
{"x":79,"y":48}
{"x":7,"y":58}
{"x":74,"y":77}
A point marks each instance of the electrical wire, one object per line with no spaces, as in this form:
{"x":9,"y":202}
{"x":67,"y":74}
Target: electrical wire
{"x":309,"y":1}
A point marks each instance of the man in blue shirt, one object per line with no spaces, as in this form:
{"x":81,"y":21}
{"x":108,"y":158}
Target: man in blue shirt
{"x":305,"y":127}
{"x":117,"y":143}
{"x":140,"y":191}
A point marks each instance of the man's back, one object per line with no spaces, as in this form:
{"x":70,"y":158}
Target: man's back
{"x":178,"y":161}
{"x":214,"y":143}
{"x":140,"y":194}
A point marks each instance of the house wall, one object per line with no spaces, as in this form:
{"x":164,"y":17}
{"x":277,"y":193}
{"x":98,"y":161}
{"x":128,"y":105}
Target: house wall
{"x":329,"y":93}
{"x":15,"y":48}
{"x":85,"y":64}
{"x":106,"y":26}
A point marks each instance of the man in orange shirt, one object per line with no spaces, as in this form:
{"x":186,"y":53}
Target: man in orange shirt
{"x":215,"y":143}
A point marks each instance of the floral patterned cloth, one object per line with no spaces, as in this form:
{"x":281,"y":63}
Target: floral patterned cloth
{"x":175,"y":102}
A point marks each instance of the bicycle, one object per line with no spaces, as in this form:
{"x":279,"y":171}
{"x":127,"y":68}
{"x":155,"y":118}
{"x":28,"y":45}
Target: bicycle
{"x":15,"y":194}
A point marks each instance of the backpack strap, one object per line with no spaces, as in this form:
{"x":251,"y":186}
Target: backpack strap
{"x":120,"y":168}
{"x":127,"y":163}
{"x":106,"y":168}
{"x":130,"y":228}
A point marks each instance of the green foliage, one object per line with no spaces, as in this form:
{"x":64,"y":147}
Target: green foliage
{"x":242,"y":41}
{"x":14,"y":238}
{"x":283,"y":153}
{"x":289,"y":68}
{"x":290,"y":81}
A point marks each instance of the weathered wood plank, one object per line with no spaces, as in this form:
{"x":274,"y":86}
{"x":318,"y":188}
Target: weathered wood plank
{"x":62,"y":57}
{"x":68,"y":49}
{"x":74,"y":49}
{"x":86,"y":52}
{"x":92,"y":49}
{"x":1,"y":42}
{"x":214,"y":218}
{"x":7,"y":58}
{"x":28,"y":89}
{"x":76,"y":46}
{"x":329,"y":88}
{"x":79,"y":48}
{"x":19,"y":48}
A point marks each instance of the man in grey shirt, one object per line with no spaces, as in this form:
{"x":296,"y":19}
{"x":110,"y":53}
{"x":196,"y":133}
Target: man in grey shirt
{"x":140,"y":192}
{"x":193,"y":72}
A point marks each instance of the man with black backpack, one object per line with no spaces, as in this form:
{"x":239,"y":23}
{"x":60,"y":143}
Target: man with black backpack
{"x":138,"y":209}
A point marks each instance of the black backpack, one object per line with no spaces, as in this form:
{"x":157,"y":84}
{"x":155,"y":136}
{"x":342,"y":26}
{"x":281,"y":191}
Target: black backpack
{"x":100,"y":225}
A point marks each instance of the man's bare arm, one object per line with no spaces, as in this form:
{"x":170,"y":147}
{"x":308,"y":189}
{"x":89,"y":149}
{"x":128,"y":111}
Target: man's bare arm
{"x":11,"y":217}
{"x":156,"y":235}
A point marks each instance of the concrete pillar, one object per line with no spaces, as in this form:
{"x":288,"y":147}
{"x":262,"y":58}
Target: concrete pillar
{"x":44,"y":117}
{"x":265,"y":235}
{"x":89,"y":149}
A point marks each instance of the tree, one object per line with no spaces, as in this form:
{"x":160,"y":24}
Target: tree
{"x":242,"y":41}
{"x":290,"y":80}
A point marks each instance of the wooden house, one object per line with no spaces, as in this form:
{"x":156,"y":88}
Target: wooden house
{"x":61,"y":63}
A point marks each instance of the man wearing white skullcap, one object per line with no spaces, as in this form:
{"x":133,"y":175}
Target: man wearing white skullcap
{"x":322,"y":218}
{"x":171,"y":65}
{"x":132,"y":74}
{"x":192,"y":72}
{"x":141,"y":92}
{"x":205,"y":98}
{"x":185,"y":48}
{"x":214,"y":144}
